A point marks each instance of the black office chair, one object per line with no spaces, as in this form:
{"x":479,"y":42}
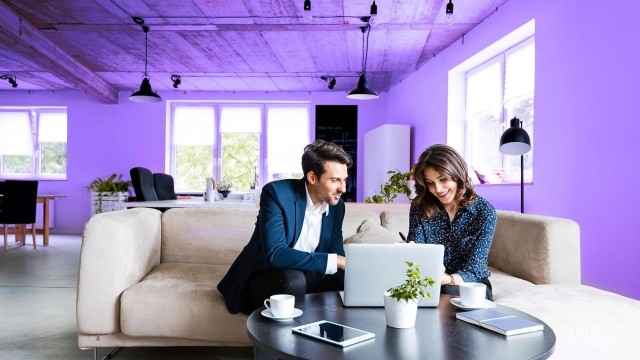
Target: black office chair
{"x":163,"y":184}
{"x":19,"y":207}
{"x":143,"y":184}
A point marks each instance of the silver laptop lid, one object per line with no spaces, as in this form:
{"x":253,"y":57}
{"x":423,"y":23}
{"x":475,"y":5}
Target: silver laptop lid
{"x":374,"y":268}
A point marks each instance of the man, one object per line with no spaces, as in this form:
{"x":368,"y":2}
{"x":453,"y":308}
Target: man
{"x":296,"y":247}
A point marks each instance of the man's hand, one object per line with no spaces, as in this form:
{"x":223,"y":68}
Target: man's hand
{"x":342,"y":262}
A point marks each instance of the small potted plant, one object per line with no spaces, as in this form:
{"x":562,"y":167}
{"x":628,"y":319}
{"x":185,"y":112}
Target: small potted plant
{"x":401,"y":302}
{"x":224,"y":187}
{"x":107,"y":194}
{"x":397,"y":184}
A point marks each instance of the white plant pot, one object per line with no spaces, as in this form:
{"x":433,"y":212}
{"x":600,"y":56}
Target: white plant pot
{"x":104,"y":202}
{"x":400,"y":314}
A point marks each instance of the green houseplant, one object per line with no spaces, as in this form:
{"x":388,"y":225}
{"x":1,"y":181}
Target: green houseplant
{"x":397,"y":184}
{"x":107,"y":194}
{"x":401,"y":302}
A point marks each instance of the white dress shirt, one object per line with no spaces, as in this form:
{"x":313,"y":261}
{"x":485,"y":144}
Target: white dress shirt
{"x":310,"y":233}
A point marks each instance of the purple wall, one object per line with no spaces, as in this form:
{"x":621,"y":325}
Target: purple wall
{"x":105,"y":139}
{"x":586,"y":115}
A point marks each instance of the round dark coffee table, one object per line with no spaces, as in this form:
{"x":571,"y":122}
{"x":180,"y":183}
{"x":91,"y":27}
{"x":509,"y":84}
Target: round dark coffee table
{"x":437,"y":335}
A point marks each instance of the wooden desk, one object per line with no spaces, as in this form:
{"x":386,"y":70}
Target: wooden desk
{"x":45,"y":201}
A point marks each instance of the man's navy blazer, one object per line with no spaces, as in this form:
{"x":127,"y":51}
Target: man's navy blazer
{"x":282,"y":210}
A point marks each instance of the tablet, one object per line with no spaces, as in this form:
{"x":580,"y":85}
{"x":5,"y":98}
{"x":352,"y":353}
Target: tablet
{"x":333,"y":333}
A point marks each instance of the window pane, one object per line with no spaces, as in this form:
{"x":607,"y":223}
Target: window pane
{"x":484,"y":90}
{"x":16,"y":164}
{"x":194,"y":125}
{"x":240,"y":119}
{"x":240,"y":159}
{"x":193,"y":165}
{"x":54,"y":158}
{"x":193,"y":140}
{"x":15,"y":133}
{"x":519,"y":72}
{"x":287,"y":135}
{"x":52,"y":127}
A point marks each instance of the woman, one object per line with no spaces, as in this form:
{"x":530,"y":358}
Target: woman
{"x":448,"y":211}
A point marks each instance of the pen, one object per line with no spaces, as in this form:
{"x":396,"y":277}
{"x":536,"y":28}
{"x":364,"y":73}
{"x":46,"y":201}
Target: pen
{"x":402,"y":236}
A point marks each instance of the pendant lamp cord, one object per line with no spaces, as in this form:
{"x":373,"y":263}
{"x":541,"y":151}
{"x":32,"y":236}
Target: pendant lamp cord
{"x":365,"y":45}
{"x":146,"y":46}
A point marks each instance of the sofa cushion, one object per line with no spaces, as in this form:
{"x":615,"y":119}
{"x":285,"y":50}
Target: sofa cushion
{"x":371,"y":232}
{"x":206,"y":236}
{"x":395,"y":220}
{"x":181,"y":301}
{"x":503,"y":284}
{"x":584,"y":319}
{"x":353,"y":219}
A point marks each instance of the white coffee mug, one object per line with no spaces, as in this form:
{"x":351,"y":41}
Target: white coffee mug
{"x":281,"y":305}
{"x":472,"y":294}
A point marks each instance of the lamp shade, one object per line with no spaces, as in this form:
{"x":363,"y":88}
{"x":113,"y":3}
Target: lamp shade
{"x":515,"y":140}
{"x":362,"y":92}
{"x":145,"y":94}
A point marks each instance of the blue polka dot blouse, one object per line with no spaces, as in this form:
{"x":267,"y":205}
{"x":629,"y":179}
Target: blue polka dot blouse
{"x":466,"y":240}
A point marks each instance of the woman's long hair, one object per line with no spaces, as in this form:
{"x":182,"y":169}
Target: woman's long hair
{"x":445,"y":160}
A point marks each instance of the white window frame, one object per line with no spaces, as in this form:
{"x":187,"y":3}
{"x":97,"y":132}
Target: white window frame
{"x":217,"y":156}
{"x":36,"y":159}
{"x":457,"y":129}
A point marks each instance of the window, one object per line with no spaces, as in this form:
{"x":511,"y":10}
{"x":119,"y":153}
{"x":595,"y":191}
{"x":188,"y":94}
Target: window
{"x":497,"y":91}
{"x":249,"y":140}
{"x":33,"y":143}
{"x":485,"y":92}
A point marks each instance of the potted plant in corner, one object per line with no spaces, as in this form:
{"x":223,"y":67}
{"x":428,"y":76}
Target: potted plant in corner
{"x":108,"y":194}
{"x":401,"y":302}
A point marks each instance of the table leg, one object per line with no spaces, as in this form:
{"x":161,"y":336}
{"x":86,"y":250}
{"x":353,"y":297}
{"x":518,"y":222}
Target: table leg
{"x":45,"y":222}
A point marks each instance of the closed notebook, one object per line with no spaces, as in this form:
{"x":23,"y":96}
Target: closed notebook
{"x":499,"y":322}
{"x":512,"y":325}
{"x":476,"y":316}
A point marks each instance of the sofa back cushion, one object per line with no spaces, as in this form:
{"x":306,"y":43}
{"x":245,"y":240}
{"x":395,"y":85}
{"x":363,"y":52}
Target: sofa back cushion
{"x":205,"y":236}
{"x":536,"y":248}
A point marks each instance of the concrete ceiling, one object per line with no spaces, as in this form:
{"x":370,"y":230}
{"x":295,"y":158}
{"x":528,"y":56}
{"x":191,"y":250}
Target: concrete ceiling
{"x":222,"y":45}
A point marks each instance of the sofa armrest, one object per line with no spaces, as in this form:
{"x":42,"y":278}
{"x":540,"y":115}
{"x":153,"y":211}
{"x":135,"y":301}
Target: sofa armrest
{"x":539,"y":249}
{"x":118,"y":250}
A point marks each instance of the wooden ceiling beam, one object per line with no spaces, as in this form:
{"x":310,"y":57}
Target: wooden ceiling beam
{"x":31,"y":44}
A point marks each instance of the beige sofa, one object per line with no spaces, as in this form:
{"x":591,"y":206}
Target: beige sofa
{"x":149,"y":278}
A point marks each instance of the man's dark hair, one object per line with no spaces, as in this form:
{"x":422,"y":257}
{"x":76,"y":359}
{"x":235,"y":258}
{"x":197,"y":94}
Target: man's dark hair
{"x":316,"y":154}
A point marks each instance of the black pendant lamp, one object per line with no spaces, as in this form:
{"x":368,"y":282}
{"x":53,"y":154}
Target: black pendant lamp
{"x":363,"y":92}
{"x":145,"y":94}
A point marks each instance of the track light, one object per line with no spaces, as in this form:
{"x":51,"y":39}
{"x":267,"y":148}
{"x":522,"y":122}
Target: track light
{"x":373,"y":20}
{"x":145,"y":94}
{"x":10,"y":79}
{"x":448,"y":19}
{"x":177,"y":80}
{"x":306,"y":15}
{"x":330,"y":80}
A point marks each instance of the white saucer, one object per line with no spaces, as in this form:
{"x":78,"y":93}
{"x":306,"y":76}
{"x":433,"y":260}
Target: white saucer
{"x":488,"y":304}
{"x":267,"y":313}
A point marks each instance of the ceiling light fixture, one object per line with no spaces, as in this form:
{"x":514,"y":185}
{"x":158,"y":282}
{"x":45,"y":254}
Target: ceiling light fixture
{"x":373,"y":20}
{"x":306,"y":15}
{"x":362,"y":91}
{"x":177,"y":80}
{"x":448,"y":19}
{"x":331,"y":81}
{"x":10,"y":79}
{"x":145,"y":94}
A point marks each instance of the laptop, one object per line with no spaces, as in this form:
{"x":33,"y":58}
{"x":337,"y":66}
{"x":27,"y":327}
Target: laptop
{"x":374,"y":268}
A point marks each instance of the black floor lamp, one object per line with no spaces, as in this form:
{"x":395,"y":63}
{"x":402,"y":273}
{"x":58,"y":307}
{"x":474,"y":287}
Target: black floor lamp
{"x":515,"y":141}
